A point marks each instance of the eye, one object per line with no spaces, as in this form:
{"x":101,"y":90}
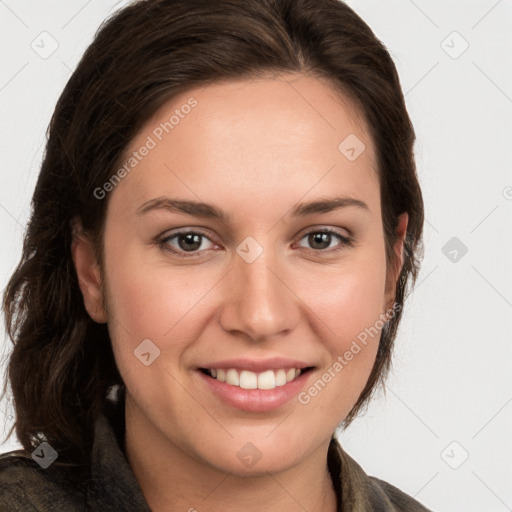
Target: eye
{"x":192,"y":243}
{"x":320,"y":240}
{"x":184,"y":242}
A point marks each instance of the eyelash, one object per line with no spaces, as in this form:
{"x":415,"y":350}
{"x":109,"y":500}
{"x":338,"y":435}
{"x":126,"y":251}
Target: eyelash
{"x":163,"y":242}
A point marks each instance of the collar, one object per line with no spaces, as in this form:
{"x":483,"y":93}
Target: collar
{"x":112,"y":475}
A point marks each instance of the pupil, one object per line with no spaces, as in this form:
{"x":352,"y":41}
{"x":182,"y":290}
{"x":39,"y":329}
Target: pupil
{"x":320,"y":238}
{"x":190,"y":238}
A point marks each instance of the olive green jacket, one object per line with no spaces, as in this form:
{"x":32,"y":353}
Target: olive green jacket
{"x":111,"y":486}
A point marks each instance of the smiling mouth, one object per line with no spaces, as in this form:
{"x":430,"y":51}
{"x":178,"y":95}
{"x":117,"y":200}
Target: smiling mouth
{"x":246,"y":379}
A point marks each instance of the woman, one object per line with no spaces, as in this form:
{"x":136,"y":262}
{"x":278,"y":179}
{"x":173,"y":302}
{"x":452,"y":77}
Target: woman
{"x":223,"y":230}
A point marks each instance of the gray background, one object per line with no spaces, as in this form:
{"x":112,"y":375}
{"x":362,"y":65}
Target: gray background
{"x":442,"y":431}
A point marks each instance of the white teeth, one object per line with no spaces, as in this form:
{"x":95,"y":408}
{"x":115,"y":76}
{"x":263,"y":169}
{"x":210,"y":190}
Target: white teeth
{"x":246,"y":379}
{"x":267,"y":380}
{"x":280,"y":378}
{"x":232,"y":377}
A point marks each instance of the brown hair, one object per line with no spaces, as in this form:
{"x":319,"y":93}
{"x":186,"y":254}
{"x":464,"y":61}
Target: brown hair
{"x":62,"y":364}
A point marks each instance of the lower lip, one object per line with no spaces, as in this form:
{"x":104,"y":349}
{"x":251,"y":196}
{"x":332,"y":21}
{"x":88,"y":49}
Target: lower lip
{"x":256,"y":400}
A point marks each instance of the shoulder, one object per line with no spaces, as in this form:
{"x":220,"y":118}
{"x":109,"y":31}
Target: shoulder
{"x":363,"y":492}
{"x":18,"y":482}
{"x":388,"y":497}
{"x":27,"y":487}
{"x":16,"y":468}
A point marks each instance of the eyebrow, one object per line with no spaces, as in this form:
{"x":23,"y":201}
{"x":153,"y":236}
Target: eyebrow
{"x":209,"y":211}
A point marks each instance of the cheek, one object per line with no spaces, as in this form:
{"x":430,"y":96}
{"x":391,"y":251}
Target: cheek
{"x":153,"y":301}
{"x":350,"y":298}
{"x":349,"y":303}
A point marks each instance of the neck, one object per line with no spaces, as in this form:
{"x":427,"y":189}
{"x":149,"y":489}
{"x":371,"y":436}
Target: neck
{"x":172,"y":480}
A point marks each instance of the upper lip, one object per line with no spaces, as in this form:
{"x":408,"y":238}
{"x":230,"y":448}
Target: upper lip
{"x":258,"y":365}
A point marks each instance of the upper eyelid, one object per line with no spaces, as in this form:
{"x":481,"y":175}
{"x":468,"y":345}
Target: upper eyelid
{"x":344,"y":239}
{"x":196,"y":231}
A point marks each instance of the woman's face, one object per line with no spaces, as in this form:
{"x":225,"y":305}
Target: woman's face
{"x":260,"y":289}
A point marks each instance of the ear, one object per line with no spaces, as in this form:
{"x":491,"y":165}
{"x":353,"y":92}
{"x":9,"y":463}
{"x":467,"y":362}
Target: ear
{"x":88,"y":273}
{"x":394,"y":271}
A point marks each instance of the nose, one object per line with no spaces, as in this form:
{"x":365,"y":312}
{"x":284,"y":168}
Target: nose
{"x":259,"y":298}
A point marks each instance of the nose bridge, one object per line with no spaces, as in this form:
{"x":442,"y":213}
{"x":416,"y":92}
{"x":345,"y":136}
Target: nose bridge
{"x":258,"y":302}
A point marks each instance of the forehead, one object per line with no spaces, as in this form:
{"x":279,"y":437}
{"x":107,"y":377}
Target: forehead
{"x":265,"y":138}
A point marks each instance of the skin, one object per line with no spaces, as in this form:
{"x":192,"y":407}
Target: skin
{"x":254,"y":148}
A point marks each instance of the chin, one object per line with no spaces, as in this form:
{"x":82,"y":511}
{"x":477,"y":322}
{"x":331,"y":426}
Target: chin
{"x":249,"y":459}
